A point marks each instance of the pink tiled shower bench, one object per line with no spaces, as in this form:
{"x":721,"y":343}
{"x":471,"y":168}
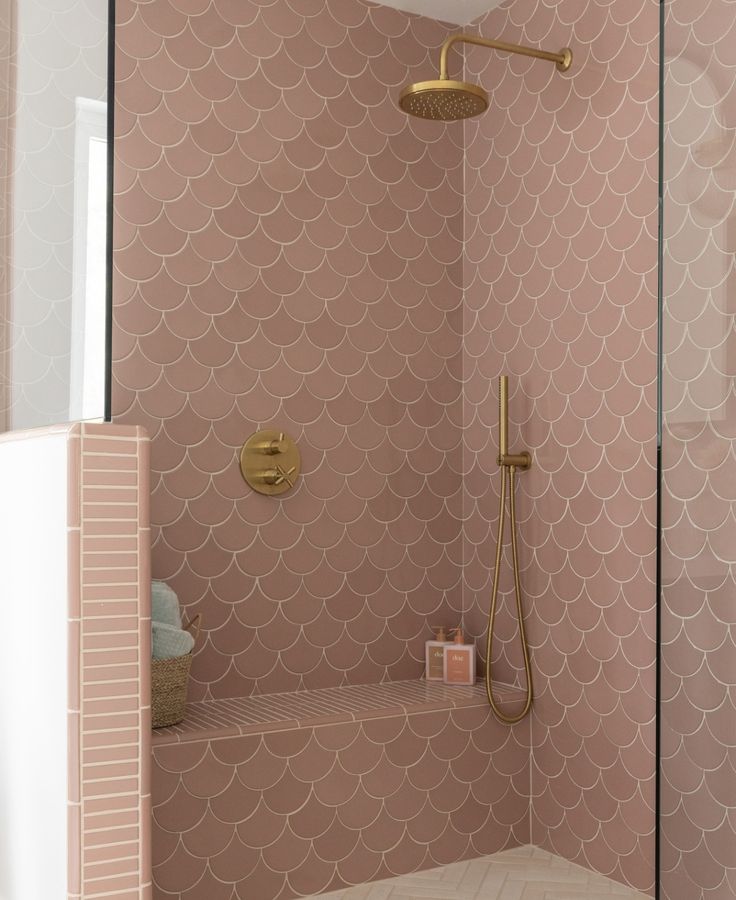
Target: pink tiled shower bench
{"x":288,"y":795}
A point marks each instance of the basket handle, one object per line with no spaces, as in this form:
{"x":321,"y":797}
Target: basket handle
{"x":193,"y":626}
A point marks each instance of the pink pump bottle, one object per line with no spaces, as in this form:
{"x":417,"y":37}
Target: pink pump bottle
{"x":459,"y":661}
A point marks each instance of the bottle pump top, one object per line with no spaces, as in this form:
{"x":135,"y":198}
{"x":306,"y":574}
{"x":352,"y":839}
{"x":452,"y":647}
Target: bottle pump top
{"x":440,"y":636}
{"x":459,"y":636}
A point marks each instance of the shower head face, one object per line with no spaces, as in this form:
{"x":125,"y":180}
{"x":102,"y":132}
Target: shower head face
{"x":443,"y":100}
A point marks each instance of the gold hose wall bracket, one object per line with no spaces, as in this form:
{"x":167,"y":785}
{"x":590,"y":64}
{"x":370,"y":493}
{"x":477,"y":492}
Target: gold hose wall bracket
{"x":509,"y":463}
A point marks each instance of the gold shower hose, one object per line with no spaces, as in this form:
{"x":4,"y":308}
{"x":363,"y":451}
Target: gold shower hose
{"x":508,"y":466}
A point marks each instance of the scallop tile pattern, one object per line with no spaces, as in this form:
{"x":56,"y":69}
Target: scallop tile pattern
{"x":290,"y":813}
{"x":561,"y":281}
{"x":289,"y":252}
{"x":698,"y":499}
{"x":281,"y":228}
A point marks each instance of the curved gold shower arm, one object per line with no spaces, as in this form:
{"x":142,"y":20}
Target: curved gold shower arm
{"x":563,"y":59}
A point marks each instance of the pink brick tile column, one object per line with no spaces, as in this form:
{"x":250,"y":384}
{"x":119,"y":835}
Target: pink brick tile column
{"x":102,"y":545}
{"x":109,"y":717}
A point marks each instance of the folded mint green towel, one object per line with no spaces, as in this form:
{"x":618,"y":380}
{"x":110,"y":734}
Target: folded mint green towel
{"x":169,"y":641}
{"x":165,"y":604}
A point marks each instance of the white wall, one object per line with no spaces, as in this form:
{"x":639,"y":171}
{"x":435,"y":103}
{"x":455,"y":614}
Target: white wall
{"x":33,"y":667}
{"x":461,"y":12}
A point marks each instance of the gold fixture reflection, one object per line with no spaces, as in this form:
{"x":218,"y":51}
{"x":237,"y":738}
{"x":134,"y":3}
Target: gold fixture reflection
{"x":446,"y":100}
{"x":509,"y":463}
{"x":270,"y":462}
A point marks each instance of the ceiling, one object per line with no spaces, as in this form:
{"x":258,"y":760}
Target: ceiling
{"x":459,"y":12}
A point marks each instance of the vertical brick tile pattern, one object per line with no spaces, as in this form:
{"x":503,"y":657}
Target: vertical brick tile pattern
{"x":289,"y":252}
{"x":699,"y":551}
{"x":561,"y":281}
{"x":294,"y":812}
{"x":110,"y":726}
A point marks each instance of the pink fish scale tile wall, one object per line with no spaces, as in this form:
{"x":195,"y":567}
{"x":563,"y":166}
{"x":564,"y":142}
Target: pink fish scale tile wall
{"x":292,"y":250}
{"x":288,"y":252}
{"x":298,"y":811}
{"x":698,"y":652}
{"x":560,"y":293}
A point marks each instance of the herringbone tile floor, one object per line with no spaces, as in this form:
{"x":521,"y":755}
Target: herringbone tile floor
{"x":525,"y":873}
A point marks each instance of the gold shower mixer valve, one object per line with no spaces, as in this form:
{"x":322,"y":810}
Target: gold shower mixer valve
{"x":270,"y":462}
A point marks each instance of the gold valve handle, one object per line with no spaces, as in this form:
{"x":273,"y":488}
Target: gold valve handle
{"x":285,"y":475}
{"x":268,"y":476}
{"x":277,"y":475}
{"x":277,"y":445}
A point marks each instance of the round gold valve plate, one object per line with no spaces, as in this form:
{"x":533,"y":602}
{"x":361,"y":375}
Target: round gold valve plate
{"x":270,"y":462}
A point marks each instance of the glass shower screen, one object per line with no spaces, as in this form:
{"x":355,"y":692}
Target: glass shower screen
{"x":697,"y":774}
{"x":54,"y":211}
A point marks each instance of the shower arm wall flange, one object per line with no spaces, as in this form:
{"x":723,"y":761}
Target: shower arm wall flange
{"x":563,"y":59}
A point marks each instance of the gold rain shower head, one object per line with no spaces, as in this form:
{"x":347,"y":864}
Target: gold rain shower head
{"x":446,"y":100}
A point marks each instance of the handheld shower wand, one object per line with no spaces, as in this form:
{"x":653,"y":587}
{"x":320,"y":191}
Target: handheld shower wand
{"x":509,"y":463}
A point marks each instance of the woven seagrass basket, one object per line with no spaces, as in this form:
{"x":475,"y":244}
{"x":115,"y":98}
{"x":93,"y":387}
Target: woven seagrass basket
{"x":169,"y":682}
